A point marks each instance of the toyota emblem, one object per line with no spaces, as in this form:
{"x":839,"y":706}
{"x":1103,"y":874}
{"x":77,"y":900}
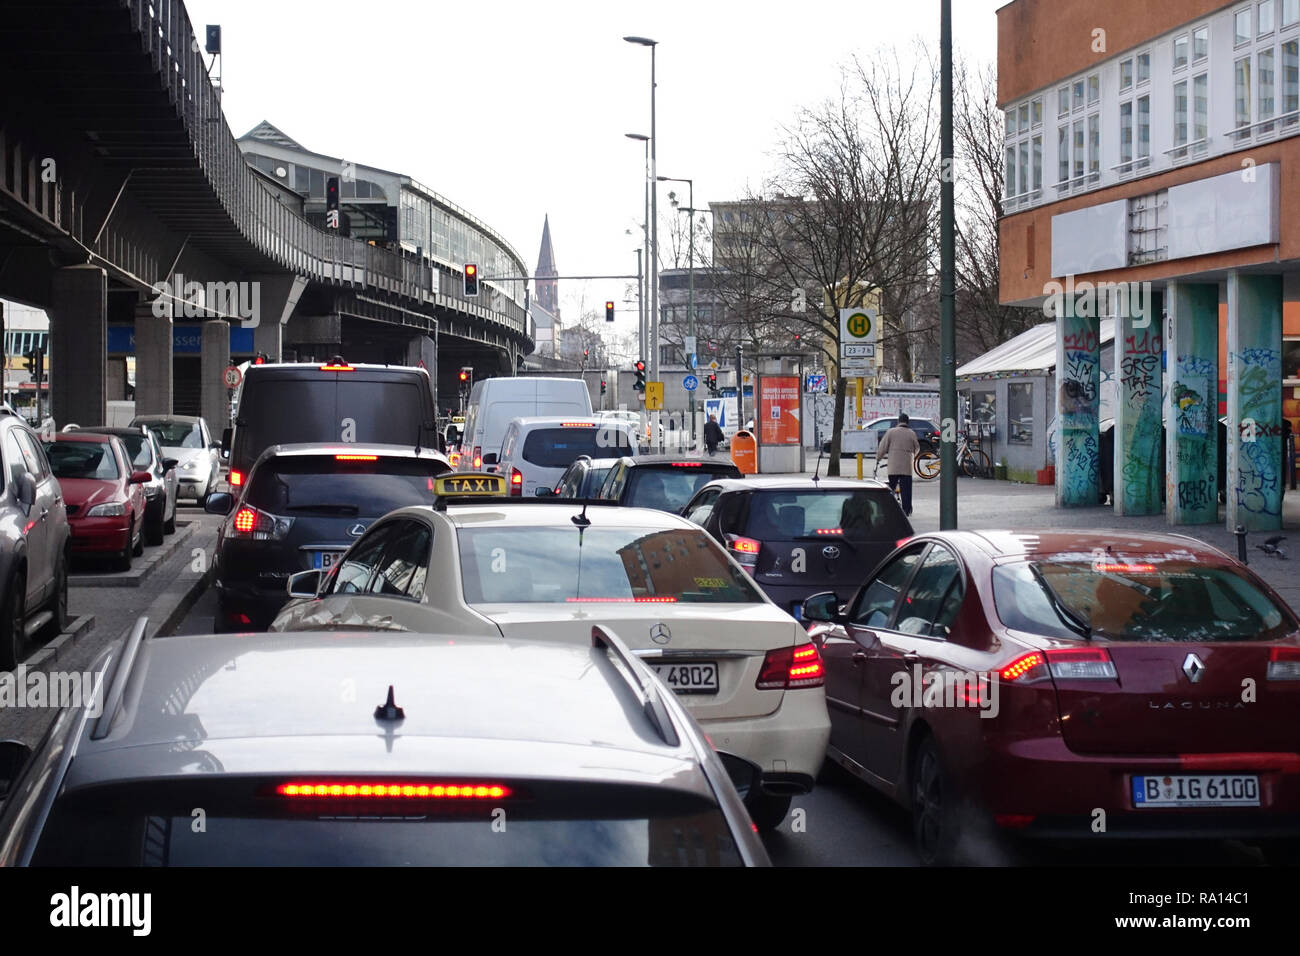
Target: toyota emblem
{"x":357,"y":530}
{"x":660,"y":634}
{"x":831,"y":552}
{"x":1193,"y":667}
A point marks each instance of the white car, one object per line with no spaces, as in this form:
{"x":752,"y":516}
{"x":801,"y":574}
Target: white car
{"x":187,"y":439}
{"x":537,"y":451}
{"x":743,"y":667}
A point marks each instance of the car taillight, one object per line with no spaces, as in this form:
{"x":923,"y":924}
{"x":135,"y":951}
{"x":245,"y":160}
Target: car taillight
{"x":337,"y":368}
{"x":454,"y":458}
{"x":744,"y":550}
{"x":478,"y":457}
{"x":686,"y":464}
{"x":400,"y":790}
{"x":259,"y":526}
{"x":1284,"y":663}
{"x":236,"y":477}
{"x":356,"y":458}
{"x":1092,"y":663}
{"x":901,"y":541}
{"x":787,"y":668}
{"x":516,"y":483}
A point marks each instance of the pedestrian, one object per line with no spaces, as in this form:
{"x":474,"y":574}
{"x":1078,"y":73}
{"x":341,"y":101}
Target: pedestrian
{"x":712,"y":434}
{"x":901,"y":445}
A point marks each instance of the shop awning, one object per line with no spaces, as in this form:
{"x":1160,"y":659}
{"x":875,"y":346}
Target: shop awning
{"x":1030,"y":351}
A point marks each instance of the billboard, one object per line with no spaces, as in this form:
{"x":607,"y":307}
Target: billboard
{"x":779,"y":409}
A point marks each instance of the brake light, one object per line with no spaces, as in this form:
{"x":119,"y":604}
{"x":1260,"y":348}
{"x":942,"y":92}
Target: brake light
{"x":745,"y":545}
{"x":901,"y":541}
{"x":400,"y":790}
{"x":686,"y":464}
{"x":337,"y":368}
{"x":258,"y":525}
{"x":478,"y":457}
{"x":647,"y":599}
{"x":236,"y":478}
{"x":516,"y":482}
{"x":356,"y":457}
{"x":245,"y":520}
{"x":787,"y":668}
{"x":1092,"y":663}
{"x":1284,"y":663}
{"x":838,"y":531}
{"x":1125,"y":568}
{"x":578,"y":424}
{"x":454,"y":459}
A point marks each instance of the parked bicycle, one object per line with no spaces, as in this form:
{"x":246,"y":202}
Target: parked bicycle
{"x":972,"y":461}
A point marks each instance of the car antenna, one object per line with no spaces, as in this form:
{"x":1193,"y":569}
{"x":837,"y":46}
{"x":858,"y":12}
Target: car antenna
{"x":581,"y":519}
{"x":818,"y":468}
{"x":389,"y":709}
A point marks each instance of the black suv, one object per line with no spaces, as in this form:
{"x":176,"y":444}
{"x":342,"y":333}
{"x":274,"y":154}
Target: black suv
{"x":34,"y":542}
{"x":663,"y":482}
{"x":301,"y":507}
{"x":797,"y":536}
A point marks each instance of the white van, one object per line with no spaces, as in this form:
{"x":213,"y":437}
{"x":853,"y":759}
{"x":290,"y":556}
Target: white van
{"x":537,"y":451}
{"x":493,"y":402}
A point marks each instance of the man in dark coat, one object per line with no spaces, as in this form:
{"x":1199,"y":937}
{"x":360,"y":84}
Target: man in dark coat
{"x":712,"y":434}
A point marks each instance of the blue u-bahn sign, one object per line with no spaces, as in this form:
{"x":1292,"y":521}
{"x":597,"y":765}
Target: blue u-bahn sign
{"x":186,"y":340}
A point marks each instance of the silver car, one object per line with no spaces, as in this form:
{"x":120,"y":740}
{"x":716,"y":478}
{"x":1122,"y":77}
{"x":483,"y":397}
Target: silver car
{"x":373,"y":749}
{"x":187,"y":439}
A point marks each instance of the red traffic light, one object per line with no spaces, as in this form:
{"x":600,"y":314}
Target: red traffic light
{"x":640,"y":366}
{"x":471,"y":270}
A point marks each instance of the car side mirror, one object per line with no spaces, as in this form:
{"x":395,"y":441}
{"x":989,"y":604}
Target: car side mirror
{"x":26,"y":490}
{"x":140,"y":478}
{"x":216,"y":446}
{"x":822,"y":607}
{"x":219,"y":503}
{"x":170,"y":463}
{"x":304,"y":584}
{"x":546,"y":492}
{"x":226,"y":434}
{"x":14,"y":755}
{"x":491,"y":458}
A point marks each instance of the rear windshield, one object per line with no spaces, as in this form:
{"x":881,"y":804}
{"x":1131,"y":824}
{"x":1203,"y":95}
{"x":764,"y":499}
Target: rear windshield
{"x":1146,"y":599}
{"x":592,"y":480}
{"x":532,"y":565}
{"x":250,"y":824}
{"x":559,"y":447}
{"x":177,"y":434}
{"x":866,"y":515}
{"x":78,"y":459}
{"x":668,"y":487}
{"x":138,"y":450}
{"x":324,"y":485}
{"x":281,"y":412}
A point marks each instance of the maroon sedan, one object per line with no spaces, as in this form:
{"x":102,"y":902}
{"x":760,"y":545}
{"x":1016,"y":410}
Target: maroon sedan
{"x":104,"y":496}
{"x":1068,"y":686}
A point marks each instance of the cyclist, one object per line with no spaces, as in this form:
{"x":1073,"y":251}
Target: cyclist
{"x":901,"y":445}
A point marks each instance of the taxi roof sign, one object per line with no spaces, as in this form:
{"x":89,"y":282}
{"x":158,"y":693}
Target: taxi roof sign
{"x":470,"y":485}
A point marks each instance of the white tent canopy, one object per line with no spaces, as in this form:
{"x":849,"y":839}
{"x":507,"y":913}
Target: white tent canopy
{"x":1031,"y":351}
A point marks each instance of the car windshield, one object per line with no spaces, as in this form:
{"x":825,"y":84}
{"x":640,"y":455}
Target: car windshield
{"x":1147,"y":598}
{"x":137,"y":446}
{"x":540,"y":565}
{"x":668,"y":488}
{"x":81,"y":459}
{"x":323,"y":484}
{"x":856,"y":515}
{"x":549,"y":825}
{"x":177,"y":434}
{"x":560,"y":447}
{"x":592,"y":481}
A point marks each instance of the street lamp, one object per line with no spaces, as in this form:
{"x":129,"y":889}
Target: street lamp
{"x":690,"y":271}
{"x":645,"y":230}
{"x":653,"y":253}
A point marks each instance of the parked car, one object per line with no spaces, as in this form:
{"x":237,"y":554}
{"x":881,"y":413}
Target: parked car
{"x":34,"y":542}
{"x":927,"y":433}
{"x":333,"y":402}
{"x":301,"y":507}
{"x":1003,"y":683}
{"x":103,"y":494}
{"x":664,"y":482}
{"x":796,"y":536}
{"x":187,"y":439}
{"x":536,"y":451}
{"x":495,"y":402}
{"x":162,"y":489}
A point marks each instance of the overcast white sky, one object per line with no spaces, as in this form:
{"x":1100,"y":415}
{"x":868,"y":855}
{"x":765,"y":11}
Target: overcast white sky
{"x":517,"y":108}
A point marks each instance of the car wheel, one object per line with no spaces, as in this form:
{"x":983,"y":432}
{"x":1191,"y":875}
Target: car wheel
{"x":169,"y":526}
{"x":139,"y":542}
{"x":936,"y":824}
{"x":154,"y":527}
{"x":123,"y":560}
{"x":59,"y":604}
{"x":13,"y":619}
{"x":768,"y":811}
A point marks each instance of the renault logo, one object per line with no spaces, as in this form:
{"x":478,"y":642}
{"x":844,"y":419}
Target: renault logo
{"x":660,"y":634}
{"x":1193,"y":667}
{"x":830,"y":552}
{"x":357,"y":530}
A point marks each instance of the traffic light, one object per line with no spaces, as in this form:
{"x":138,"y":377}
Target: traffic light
{"x":609,"y":311}
{"x":640,"y":376}
{"x":466,"y":376}
{"x":711,"y":380}
{"x":471,"y":280}
{"x":260,"y":358}
{"x":30,"y":361}
{"x":602,"y":386}
{"x":332,"y":203}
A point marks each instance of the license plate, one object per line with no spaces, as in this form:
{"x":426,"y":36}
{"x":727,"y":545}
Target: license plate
{"x":700,"y":677}
{"x":1196,"y":790}
{"x":796,"y":610}
{"x":325,"y":559}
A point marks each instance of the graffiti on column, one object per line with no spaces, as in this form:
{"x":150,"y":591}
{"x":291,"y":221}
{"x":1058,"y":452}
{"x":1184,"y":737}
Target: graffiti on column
{"x":1076,"y":405}
{"x":1259,"y":478}
{"x":1141,"y":444}
{"x":1194,"y":395}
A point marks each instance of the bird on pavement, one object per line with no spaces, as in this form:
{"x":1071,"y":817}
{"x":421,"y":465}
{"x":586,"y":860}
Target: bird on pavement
{"x":1270,"y":546}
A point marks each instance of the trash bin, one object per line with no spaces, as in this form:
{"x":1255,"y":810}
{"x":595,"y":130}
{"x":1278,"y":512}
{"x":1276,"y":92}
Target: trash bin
{"x":744,"y":452}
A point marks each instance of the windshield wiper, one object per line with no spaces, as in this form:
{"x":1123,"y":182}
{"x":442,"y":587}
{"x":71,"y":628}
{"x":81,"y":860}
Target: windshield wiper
{"x":1069,"y":617}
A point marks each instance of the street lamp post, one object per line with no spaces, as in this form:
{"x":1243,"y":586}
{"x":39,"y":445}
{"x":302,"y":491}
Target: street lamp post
{"x":652,"y":266}
{"x":690,"y":300}
{"x":643,"y":312}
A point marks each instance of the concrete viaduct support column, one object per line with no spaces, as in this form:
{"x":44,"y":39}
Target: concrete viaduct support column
{"x":1192,"y":403}
{"x":1139,"y":455}
{"x":422,"y":351}
{"x":275,"y":297}
{"x":153,"y":359}
{"x":214,"y":356}
{"x":1254,"y":480}
{"x":1078,"y":383}
{"x":78,"y":343}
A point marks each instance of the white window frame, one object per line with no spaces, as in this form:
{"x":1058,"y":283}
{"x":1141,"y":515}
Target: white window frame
{"x":1249,"y":11}
{"x":1281,"y":18}
{"x":1186,"y":38}
{"x":1260,"y":32}
{"x":1018,"y":178}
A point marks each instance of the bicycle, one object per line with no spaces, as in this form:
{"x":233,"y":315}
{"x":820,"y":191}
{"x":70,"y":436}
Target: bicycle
{"x":973,"y":462}
{"x":897,"y":490}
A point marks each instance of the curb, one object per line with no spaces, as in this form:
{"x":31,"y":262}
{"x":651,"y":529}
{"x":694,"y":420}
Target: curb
{"x":79,"y":628}
{"x":135,"y":577}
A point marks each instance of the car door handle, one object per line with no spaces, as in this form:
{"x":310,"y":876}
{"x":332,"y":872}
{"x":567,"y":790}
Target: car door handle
{"x":912,"y":657}
{"x":858,"y":657}
{"x":45,"y":513}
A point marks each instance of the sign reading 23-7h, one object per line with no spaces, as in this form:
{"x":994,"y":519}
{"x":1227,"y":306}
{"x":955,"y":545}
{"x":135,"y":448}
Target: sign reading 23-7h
{"x":857,"y":338}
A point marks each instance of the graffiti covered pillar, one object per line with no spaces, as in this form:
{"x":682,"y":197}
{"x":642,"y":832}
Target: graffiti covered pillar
{"x":1078,"y":382}
{"x":1192,"y":402}
{"x":1254,"y":479}
{"x":1139,"y":412}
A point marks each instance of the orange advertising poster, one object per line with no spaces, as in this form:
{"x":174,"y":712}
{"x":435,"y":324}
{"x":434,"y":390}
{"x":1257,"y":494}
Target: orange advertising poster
{"x":778,"y":407}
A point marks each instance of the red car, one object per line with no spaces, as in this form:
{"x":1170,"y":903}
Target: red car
{"x":1068,"y":686}
{"x":103,"y":495}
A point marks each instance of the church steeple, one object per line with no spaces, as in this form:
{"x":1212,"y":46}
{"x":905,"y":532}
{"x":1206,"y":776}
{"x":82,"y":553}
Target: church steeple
{"x":548,"y":287}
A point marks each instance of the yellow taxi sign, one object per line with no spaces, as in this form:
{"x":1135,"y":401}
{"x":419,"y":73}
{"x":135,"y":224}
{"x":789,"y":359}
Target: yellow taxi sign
{"x":470,"y":485}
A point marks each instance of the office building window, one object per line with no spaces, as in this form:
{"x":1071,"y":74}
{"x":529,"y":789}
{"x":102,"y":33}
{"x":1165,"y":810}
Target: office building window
{"x":1038,"y":163}
{"x":1265,"y":17}
{"x":1126,"y":137}
{"x":1200,"y":111}
{"x":1094,"y":147}
{"x":1241,"y":32}
{"x":1143,"y":129}
{"x":1200,"y":44}
{"x":1181,"y":45}
{"x":1290,"y":80}
{"x":1062,"y":156}
{"x":1266,"y":87}
{"x":1180,"y":118}
{"x":1241,"y":113}
{"x":1290,"y":13}
{"x":1063,"y":98}
{"x":1125,"y":75}
{"x":1094,"y":89}
{"x":1143,"y":68}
